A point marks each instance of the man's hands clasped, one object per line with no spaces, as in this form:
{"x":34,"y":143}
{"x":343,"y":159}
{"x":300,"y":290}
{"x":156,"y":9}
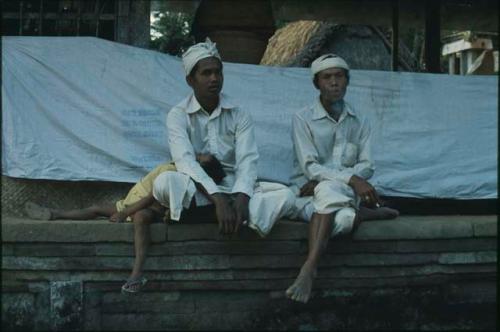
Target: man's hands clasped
{"x":231,"y":216}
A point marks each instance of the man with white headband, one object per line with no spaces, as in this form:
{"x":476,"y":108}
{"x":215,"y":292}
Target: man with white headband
{"x":207,"y":122}
{"x":331,"y":166}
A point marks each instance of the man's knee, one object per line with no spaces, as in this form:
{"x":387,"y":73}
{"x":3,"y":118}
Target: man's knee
{"x":282,"y":199}
{"x":327,"y":186}
{"x":329,"y":196}
{"x":162,"y":185}
{"x":164,"y":179}
{"x":344,"y":221}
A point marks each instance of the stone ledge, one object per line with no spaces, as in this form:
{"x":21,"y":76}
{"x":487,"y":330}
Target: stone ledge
{"x":227,"y":261}
{"x":13,"y":278}
{"x":428,"y":227}
{"x":264,"y":247}
{"x":15,"y":229}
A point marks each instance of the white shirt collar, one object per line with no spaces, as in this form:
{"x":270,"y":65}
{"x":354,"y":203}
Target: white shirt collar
{"x":194,"y":106}
{"x":319,"y":111}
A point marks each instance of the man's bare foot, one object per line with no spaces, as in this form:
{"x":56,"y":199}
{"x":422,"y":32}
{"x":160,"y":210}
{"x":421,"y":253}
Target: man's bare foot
{"x":35,"y":211}
{"x":300,"y":290}
{"x":380,"y":213}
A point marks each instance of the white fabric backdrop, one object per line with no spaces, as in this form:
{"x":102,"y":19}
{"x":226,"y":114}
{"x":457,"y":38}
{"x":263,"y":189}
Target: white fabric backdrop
{"x":82,"y":108}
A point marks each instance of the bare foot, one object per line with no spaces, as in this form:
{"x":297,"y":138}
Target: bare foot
{"x":300,"y":290}
{"x":35,"y":211}
{"x":380,"y":213}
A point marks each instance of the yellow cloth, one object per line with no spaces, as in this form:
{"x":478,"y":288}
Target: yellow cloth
{"x":143,"y":188}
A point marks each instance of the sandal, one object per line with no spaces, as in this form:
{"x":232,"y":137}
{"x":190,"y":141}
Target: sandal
{"x":134,"y":285}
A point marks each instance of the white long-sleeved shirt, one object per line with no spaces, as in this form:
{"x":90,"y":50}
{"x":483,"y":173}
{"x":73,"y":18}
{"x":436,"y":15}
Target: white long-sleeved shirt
{"x":227,"y":134}
{"x":326,"y":149}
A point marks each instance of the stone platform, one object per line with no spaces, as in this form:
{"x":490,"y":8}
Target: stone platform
{"x":415,"y":272}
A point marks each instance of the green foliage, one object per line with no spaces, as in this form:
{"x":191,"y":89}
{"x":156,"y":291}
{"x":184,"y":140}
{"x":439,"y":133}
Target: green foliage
{"x":171,"y":32}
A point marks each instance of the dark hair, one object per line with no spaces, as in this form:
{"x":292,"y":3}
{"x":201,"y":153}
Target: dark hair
{"x":315,"y":79}
{"x":214,"y":169}
{"x":195,"y":68}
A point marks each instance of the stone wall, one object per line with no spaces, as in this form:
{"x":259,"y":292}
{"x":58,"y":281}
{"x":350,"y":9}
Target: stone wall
{"x":409,"y":273}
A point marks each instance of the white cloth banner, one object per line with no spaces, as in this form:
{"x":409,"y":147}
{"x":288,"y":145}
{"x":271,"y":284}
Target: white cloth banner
{"x":82,"y":108}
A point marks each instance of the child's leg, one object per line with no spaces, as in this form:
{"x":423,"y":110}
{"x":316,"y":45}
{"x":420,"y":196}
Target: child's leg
{"x":36,"y":211}
{"x":91,"y":212}
{"x":142,"y":238}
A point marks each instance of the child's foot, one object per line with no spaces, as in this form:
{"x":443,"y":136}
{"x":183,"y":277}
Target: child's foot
{"x":134,"y":285}
{"x":35,"y":211}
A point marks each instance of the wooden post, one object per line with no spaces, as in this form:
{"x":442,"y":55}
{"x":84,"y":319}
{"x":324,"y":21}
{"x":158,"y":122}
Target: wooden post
{"x":97,"y":11}
{"x":40,"y":19}
{"x":395,"y":35}
{"x":79,"y":18}
{"x":433,"y":36}
{"x":451,"y":64}
{"x":21,"y":5}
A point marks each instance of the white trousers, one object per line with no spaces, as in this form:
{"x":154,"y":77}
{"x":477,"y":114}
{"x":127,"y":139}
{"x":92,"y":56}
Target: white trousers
{"x":329,"y":197}
{"x":270,"y":201}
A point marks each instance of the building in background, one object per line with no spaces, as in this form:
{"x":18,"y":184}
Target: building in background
{"x":471,"y":53}
{"x":124,"y":21}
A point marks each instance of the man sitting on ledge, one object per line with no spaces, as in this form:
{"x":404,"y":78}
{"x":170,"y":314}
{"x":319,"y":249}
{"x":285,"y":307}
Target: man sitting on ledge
{"x":207,"y":122}
{"x":331,"y":167}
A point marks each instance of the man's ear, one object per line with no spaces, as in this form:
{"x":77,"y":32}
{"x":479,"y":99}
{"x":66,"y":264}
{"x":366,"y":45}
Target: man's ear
{"x":189,"y":80}
{"x":315,"y":82}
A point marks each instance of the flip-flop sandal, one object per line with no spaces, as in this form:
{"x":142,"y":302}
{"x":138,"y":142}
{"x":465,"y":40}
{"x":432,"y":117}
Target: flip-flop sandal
{"x":35,"y":211}
{"x":134,"y":285}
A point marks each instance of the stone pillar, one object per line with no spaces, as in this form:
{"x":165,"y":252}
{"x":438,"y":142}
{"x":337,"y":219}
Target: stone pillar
{"x":241,"y":29}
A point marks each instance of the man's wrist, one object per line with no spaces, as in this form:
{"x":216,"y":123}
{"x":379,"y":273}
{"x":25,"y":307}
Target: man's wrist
{"x":218,"y":197}
{"x":354,"y":180}
{"x":242,"y":195}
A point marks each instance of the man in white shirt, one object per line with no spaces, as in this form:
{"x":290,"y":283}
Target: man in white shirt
{"x":331,"y":167}
{"x":207,"y":122}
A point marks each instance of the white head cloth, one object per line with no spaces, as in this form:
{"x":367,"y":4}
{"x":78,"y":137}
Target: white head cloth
{"x":197,"y":52}
{"x":326,"y":61}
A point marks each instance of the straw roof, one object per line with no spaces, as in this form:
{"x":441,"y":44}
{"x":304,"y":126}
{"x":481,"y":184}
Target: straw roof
{"x":288,"y":41}
{"x":364,"y":47}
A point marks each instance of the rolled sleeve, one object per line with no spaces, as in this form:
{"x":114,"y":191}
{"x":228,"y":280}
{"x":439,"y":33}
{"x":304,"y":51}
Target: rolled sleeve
{"x":246,"y":156}
{"x":182,"y":150}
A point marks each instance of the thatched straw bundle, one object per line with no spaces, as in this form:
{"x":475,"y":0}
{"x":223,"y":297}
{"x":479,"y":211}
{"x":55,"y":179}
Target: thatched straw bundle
{"x":288,"y":41}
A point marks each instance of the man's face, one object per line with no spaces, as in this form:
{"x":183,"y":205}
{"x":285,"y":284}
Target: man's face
{"x":207,"y":78}
{"x":332,"y":83}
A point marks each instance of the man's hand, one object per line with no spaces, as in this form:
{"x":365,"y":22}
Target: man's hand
{"x":118,"y":217}
{"x":225,"y":213}
{"x":308,"y":188}
{"x":241,"y":209}
{"x":364,"y":190}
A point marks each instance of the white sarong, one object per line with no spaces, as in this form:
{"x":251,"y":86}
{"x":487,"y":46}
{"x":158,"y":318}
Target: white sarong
{"x":329,"y":197}
{"x":270,"y":201}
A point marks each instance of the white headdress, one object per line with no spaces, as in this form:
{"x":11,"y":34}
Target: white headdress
{"x":326,"y":61}
{"x":197,"y":52}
